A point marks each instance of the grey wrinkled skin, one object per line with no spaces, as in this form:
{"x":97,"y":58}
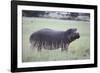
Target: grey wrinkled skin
{"x":50,"y":39}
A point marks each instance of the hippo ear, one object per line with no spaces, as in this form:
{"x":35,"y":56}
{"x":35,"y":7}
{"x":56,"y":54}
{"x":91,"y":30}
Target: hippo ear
{"x":75,"y":29}
{"x":69,"y":31}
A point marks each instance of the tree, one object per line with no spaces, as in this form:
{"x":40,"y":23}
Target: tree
{"x":29,"y":13}
{"x":73,"y":15}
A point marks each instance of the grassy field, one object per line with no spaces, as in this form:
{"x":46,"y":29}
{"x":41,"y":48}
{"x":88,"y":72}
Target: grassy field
{"x":79,"y":49}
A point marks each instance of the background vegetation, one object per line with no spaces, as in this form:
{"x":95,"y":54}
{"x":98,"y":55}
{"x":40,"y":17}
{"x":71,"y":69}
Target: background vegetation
{"x":78,"y":50}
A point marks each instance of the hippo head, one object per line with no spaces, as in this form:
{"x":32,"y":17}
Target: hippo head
{"x":72,"y":34}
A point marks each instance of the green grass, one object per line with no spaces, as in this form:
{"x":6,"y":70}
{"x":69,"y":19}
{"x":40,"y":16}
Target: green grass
{"x":79,"y":49}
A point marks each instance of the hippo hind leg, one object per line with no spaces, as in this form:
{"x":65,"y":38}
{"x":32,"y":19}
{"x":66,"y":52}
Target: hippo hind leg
{"x":39,"y":48}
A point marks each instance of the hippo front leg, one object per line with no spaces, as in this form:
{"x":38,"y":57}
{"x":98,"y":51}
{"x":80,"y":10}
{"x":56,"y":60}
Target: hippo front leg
{"x":65,"y":47}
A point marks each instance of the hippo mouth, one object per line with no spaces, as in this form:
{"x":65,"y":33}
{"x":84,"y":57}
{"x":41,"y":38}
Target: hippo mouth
{"x":77,"y":35}
{"x":76,"y":32}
